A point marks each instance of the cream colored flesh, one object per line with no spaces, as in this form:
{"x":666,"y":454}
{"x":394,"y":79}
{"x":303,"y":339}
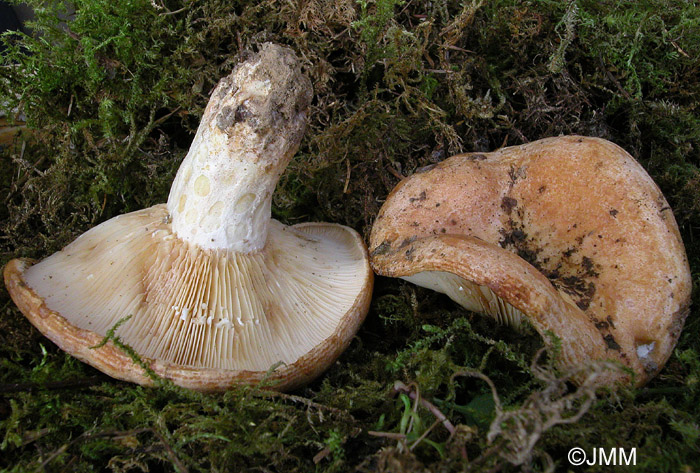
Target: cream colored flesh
{"x":205,"y":308}
{"x":469,"y":295}
{"x":222,"y":193}
{"x":220,"y":202}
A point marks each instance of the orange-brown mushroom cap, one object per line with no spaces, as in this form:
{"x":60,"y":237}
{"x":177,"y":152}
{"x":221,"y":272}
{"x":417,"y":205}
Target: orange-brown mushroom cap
{"x":570,"y":233}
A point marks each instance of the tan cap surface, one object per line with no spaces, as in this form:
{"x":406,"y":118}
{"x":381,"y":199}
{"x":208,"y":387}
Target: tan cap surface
{"x":569,"y":232}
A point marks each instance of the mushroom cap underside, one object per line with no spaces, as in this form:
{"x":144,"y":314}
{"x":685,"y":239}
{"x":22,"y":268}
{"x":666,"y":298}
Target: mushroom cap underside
{"x":580,"y":213}
{"x":206,"y":319}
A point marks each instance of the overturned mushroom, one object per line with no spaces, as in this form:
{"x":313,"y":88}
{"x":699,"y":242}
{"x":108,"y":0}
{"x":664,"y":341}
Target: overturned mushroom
{"x":217,"y":292}
{"x":570,"y":233}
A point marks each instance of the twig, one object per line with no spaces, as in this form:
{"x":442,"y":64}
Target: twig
{"x":424,"y":434}
{"x":68,"y":384}
{"x":347,"y":178}
{"x":321,"y":455}
{"x":306,"y":402}
{"x":22,"y":180}
{"x":520,"y":429}
{"x":171,"y":453}
{"x":83,"y":436}
{"x":613,"y":79}
{"x":457,"y":48}
{"x":394,"y":172}
{"x":179,"y":466}
{"x":389,"y":435}
{"x":173,"y":12}
{"x":401,"y":387}
{"x":167,"y":115}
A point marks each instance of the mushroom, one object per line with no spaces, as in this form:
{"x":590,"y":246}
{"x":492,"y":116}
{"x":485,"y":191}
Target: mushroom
{"x":568,"y":233}
{"x":218,"y":293}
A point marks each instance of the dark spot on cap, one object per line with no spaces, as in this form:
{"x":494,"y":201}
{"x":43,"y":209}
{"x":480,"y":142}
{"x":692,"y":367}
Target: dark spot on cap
{"x":588,"y":265}
{"x":513,"y":237}
{"x":408,"y":241}
{"x":650,"y":367}
{"x":578,"y":288}
{"x":518,"y":234}
{"x":530,"y":256}
{"x":614,"y":212}
{"x":383,"y":248}
{"x":421,"y":197}
{"x":508,"y":203}
{"x":409,"y":254}
{"x":583,"y":304}
{"x":611,"y":343}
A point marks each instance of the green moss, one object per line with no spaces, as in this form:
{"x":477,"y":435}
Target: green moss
{"x":112,"y":96}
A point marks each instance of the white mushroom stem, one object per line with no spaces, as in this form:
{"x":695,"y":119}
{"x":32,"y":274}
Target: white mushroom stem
{"x":222,"y":193}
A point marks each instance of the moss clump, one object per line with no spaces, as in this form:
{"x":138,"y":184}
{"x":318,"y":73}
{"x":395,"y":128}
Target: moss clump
{"x":112,"y":92}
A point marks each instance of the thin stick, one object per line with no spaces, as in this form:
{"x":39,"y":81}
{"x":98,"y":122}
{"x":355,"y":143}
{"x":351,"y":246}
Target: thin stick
{"x":394,"y":172}
{"x":424,"y":434}
{"x":117,"y":434}
{"x":68,"y":384}
{"x":401,"y":387}
{"x":306,"y":402}
{"x":171,"y":453}
{"x":347,"y":179}
{"x":389,"y":435}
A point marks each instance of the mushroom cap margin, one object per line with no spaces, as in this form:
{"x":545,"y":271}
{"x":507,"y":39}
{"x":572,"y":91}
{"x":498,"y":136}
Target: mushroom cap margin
{"x":114,"y":362}
{"x":515,"y":282}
